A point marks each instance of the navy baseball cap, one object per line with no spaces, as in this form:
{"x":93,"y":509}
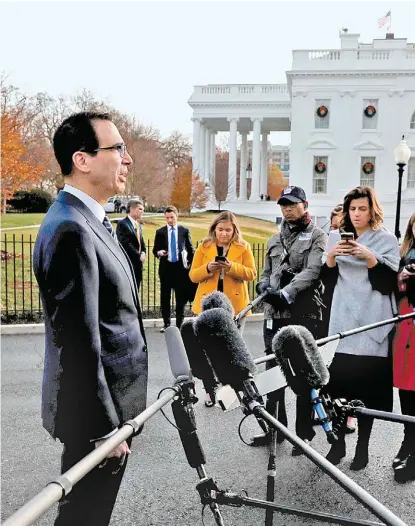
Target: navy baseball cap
{"x":295,"y":194}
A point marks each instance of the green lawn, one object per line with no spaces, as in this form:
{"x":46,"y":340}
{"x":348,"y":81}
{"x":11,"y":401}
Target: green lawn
{"x":19,"y":288}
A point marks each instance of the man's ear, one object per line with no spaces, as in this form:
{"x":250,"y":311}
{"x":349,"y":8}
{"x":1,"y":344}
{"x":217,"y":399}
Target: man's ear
{"x":80,"y":162}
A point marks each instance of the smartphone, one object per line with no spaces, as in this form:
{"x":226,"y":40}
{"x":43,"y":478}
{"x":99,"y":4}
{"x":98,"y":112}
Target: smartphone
{"x":347,"y":236}
{"x":220,"y":258}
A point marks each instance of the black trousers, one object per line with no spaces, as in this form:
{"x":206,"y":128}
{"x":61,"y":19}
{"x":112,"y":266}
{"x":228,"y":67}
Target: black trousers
{"x":276,"y":401}
{"x":92,"y":499}
{"x":407,"y":399}
{"x":173,"y":278}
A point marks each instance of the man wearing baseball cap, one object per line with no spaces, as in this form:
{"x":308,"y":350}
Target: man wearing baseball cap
{"x":291,"y":280}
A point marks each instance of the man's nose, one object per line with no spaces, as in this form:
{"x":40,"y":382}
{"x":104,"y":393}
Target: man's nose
{"x":127,"y":159}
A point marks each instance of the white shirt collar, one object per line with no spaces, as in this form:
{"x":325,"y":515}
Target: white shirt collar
{"x":133,"y":221}
{"x":94,"y":206}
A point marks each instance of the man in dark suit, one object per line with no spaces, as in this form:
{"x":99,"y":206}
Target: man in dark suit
{"x":95,"y":373}
{"x":173,"y":247}
{"x":130,"y":235}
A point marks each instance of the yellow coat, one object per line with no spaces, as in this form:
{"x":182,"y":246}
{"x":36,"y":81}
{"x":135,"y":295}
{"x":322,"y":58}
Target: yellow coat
{"x":235,"y":279}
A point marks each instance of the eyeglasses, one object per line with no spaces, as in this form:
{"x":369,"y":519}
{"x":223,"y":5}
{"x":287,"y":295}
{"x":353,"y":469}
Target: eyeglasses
{"x":288,"y":205}
{"x":120,"y":147}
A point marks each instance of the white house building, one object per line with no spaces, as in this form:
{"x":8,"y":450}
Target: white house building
{"x":346,"y":108}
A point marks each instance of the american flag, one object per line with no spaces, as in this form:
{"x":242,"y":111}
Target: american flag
{"x":385,"y":20}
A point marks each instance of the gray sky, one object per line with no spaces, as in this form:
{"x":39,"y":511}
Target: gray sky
{"x":145,"y":57}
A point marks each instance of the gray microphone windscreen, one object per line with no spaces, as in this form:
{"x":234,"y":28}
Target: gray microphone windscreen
{"x":179,"y":363}
{"x":217,"y":300}
{"x":300,"y":359}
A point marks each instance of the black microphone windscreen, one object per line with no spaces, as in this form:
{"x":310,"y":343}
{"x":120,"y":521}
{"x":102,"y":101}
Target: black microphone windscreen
{"x":217,"y":300}
{"x":300,"y":360}
{"x":199,"y":363}
{"x":224,"y":347}
{"x":179,"y":363}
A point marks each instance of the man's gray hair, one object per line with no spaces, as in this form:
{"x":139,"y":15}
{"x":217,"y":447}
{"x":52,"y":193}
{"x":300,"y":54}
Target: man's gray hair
{"x":133,"y":203}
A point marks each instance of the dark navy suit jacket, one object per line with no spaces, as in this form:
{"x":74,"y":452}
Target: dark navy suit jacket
{"x":127,"y":236}
{"x":95,"y":374}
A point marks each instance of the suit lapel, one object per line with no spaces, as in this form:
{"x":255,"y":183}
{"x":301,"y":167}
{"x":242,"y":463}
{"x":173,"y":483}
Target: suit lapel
{"x":100,"y":230}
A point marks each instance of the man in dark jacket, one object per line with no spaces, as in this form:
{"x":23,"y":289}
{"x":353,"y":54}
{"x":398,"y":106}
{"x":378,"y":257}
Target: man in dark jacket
{"x":95,"y":374}
{"x":130,"y":235}
{"x":173,"y":247}
{"x":292,"y":267}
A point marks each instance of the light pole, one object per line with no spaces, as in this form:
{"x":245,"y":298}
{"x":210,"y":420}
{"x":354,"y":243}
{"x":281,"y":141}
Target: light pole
{"x":402,"y":154}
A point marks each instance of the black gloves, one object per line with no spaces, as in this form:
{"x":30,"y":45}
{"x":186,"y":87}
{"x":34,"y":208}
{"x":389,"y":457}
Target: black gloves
{"x":261,"y":287}
{"x":276,"y":299}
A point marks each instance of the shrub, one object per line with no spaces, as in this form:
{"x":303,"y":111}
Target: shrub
{"x":32,"y":201}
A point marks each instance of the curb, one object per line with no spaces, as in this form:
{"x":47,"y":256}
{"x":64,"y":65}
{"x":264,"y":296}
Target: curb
{"x":39,"y":328}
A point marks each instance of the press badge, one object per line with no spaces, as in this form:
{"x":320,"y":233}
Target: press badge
{"x":269,"y":324}
{"x":305,"y":236}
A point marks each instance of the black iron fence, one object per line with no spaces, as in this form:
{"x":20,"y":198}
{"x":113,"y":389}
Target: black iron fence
{"x":20,"y":299}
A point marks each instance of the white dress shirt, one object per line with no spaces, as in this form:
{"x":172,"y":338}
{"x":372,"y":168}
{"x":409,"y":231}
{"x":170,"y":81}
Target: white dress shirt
{"x":94,"y":206}
{"x":176,"y":233}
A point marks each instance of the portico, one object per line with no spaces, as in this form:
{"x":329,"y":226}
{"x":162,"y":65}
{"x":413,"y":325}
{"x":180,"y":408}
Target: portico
{"x":239,"y":110}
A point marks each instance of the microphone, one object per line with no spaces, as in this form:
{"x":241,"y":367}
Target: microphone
{"x":217,"y":300}
{"x":300,"y":360}
{"x":224,"y":346}
{"x":182,"y":406}
{"x":304,"y":368}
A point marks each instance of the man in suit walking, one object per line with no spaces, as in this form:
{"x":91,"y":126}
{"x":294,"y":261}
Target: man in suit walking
{"x":173,"y":247}
{"x":130,"y":235}
{"x":95,"y":373}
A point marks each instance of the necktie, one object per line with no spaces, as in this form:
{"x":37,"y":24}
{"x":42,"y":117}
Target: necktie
{"x":173,"y":246}
{"x":107,"y":223}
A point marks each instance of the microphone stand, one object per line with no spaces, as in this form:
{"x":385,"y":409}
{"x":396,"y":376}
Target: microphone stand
{"x":183,"y":412}
{"x":250,"y":306}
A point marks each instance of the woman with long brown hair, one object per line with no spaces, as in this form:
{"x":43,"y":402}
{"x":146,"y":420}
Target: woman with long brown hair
{"x":223,"y":262}
{"x":364,"y":268}
{"x":404,"y":355}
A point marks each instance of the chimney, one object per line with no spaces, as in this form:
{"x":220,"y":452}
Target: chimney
{"x":390,"y":36}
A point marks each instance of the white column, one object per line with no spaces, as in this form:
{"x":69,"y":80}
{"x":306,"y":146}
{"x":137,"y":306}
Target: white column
{"x":264,"y":165}
{"x":233,"y":127}
{"x":242,"y":172}
{"x":212,"y":185}
{"x":256,"y":160}
{"x":202,"y":151}
{"x":196,"y":145}
{"x":207,"y":155}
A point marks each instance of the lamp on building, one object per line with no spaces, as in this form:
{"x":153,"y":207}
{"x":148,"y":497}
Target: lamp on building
{"x":402,"y":155}
{"x":249,"y":171}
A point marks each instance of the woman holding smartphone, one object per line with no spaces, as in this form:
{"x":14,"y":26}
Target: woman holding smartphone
{"x":223,"y":262}
{"x":364,"y":265}
{"x":404,"y":355}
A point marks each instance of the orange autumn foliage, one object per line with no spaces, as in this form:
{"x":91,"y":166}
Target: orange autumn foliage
{"x":182,"y":187}
{"x":19,"y":171}
{"x":276,"y":182}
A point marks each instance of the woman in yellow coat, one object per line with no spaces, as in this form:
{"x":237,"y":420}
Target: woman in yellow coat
{"x":224,"y":262}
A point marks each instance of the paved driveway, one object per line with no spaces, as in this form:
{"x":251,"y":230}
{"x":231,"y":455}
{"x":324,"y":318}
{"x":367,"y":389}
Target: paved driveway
{"x":159,"y":486}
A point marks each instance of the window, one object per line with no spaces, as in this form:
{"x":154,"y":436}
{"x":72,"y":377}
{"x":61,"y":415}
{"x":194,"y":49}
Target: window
{"x":320,"y":168}
{"x":411,"y":173}
{"x":412,"y":123}
{"x":370,"y":122}
{"x":322,"y":122}
{"x":367,"y":171}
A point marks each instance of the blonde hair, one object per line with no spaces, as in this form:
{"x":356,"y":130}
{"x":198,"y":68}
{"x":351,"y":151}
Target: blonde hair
{"x":376,"y":212}
{"x":408,"y":241}
{"x":221,"y":218}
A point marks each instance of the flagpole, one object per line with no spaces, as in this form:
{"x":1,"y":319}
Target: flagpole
{"x":390,"y":22}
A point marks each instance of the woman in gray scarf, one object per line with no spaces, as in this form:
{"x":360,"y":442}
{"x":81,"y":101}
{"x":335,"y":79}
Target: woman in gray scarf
{"x":365,"y":270}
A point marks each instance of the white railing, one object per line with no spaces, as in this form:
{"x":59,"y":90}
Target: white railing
{"x":361,"y":54}
{"x":242,"y":89}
